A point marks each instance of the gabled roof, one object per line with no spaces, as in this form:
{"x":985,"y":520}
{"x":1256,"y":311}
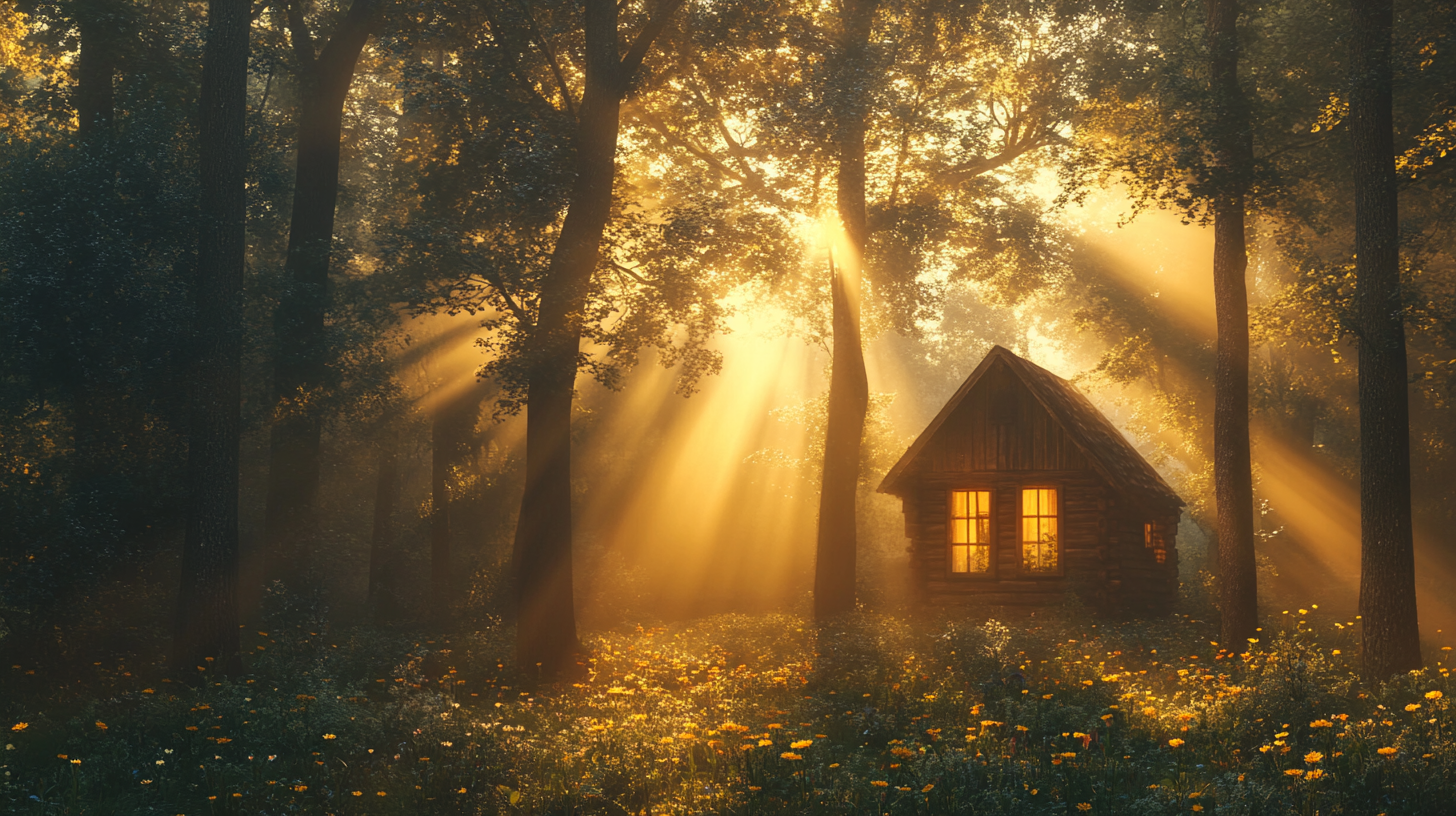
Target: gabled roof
{"x":1100,"y":441}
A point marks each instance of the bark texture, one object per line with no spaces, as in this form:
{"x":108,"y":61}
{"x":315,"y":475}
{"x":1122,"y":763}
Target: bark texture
{"x":301,"y":363}
{"x":837,"y":545}
{"x":1232,"y":470}
{"x":541,"y":557}
{"x":206,"y":626}
{"x":1387,"y":554}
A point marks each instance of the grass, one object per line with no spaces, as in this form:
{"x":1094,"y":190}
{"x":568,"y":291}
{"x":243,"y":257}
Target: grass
{"x":762,"y":714}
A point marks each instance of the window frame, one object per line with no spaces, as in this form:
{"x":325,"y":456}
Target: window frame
{"x":1061,"y":570}
{"x":992,"y":537}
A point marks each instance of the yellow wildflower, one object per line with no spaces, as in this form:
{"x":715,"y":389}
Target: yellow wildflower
{"x":1312,"y":757}
{"x":803,"y":743}
{"x":1175,"y":742}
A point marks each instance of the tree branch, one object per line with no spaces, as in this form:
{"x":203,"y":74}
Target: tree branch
{"x":494,"y":279}
{"x":550,"y":53}
{"x":512,"y":65}
{"x":298,"y":34}
{"x":627,"y":67}
{"x":976,"y":167}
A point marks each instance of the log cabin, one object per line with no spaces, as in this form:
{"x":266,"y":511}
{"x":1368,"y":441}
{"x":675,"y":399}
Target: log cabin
{"x":1020,"y":491}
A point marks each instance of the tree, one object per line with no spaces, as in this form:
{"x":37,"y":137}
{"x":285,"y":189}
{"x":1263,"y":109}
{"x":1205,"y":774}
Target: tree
{"x":1391,"y":634}
{"x":541,"y":560}
{"x":1232,"y":140}
{"x":849,"y":389}
{"x":302,"y":358}
{"x":206,"y":627}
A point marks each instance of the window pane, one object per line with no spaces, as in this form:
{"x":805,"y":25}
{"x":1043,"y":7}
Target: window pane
{"x":958,"y":503}
{"x":983,"y":530}
{"x":980,"y":559}
{"x":960,"y":559}
{"x":958,"y":531}
{"x":1028,"y":502}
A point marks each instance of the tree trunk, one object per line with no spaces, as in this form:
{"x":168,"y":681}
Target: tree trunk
{"x":451,"y":432}
{"x":301,"y":365}
{"x":380,"y":601}
{"x":1232,"y":469}
{"x":1387,"y":554}
{"x":837,"y":546}
{"x":206,"y":626}
{"x":95,"y":71}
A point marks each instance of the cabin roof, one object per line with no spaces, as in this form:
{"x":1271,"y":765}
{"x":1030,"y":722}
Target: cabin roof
{"x":1106,"y":448}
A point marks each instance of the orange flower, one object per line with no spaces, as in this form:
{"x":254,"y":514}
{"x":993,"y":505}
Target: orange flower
{"x":1175,"y":742}
{"x":879,"y":783}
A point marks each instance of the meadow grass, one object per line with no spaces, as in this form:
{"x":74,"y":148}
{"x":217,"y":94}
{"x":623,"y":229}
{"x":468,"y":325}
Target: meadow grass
{"x":772,"y":714}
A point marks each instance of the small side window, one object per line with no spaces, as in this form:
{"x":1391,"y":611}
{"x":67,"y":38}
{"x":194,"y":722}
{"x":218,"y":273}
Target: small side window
{"x":1153,"y":540}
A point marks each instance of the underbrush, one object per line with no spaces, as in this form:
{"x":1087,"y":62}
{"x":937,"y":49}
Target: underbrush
{"x":764,"y":714}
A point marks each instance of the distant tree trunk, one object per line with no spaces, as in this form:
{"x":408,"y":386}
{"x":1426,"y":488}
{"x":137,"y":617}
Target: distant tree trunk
{"x":380,"y":599}
{"x":541,"y":557}
{"x":95,"y":69}
{"x":1387,"y":553}
{"x":1232,"y":469}
{"x":452,"y":429}
{"x":301,"y":364}
{"x":837,"y":546}
{"x":206,"y":626}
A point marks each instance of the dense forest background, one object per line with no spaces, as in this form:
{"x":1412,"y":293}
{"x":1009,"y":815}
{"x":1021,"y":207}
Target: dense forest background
{"x":1034,"y":174}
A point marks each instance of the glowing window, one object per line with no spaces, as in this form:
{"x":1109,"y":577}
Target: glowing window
{"x":970,"y":532}
{"x":1039,"y":529}
{"x":1153,"y":540}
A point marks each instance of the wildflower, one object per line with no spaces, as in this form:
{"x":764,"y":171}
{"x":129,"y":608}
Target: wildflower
{"x":790,"y":756}
{"x":1197,"y":808}
{"x":330,"y":736}
{"x":764,"y":743}
{"x":754,"y":788}
{"x":1294,"y":772}
{"x":1314,"y":774}
{"x":447,"y":744}
{"x":381,"y":793}
{"x":927,"y":788}
{"x":100,"y":726}
{"x":146,"y":781}
{"x":75,"y":762}
{"x":880,"y":783}
{"x":804,"y":743}
{"x":1433,"y":695}
{"x":300,"y":788}
{"x":1084,"y":806}
{"x":1312,"y":757}
{"x":1321,"y":724}
{"x":1022,"y":728}
{"x":1150,"y":712}
{"x":358,"y":793}
{"x":1387,"y":751}
{"x":1413,"y":707}
{"x":1175,"y":742}
{"x":19,"y":726}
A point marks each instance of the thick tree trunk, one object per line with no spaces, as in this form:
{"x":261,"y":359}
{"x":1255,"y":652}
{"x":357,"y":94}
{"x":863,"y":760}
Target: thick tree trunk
{"x":301,"y":365}
{"x":206,"y":627}
{"x":380,"y":601}
{"x":95,"y":70}
{"x":541,"y":557}
{"x":545,"y":607}
{"x":1232,"y":470}
{"x":837,"y":546}
{"x":1387,"y":553}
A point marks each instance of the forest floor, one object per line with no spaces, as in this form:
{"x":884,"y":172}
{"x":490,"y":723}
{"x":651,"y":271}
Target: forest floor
{"x":761,"y":714}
